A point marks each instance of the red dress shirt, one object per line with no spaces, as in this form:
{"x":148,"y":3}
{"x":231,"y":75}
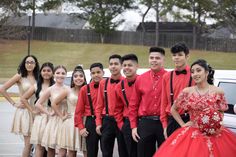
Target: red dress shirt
{"x":100,"y":108}
{"x":83,"y":106}
{"x":179,"y":83}
{"x":121,"y":109}
{"x":146,"y":97}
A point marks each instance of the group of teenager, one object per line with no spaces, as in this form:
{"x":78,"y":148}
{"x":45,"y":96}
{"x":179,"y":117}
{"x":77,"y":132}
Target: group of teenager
{"x":152,"y":114}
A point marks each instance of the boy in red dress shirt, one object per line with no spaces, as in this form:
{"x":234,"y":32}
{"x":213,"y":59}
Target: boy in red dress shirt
{"x":173,"y":83}
{"x":124,"y":90}
{"x":104,"y":111}
{"x":85,"y":107}
{"x":145,"y":105}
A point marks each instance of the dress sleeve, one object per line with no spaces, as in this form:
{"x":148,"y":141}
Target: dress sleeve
{"x":182,"y":101}
{"x":221,"y":102}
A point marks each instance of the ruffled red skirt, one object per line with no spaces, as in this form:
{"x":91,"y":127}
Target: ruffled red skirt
{"x":190,"y":142}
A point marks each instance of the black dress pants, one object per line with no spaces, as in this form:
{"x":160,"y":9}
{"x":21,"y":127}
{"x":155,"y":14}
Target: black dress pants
{"x":131,"y":145}
{"x":110,"y":131}
{"x":93,"y":138}
{"x":173,"y":124}
{"x":151,"y":135}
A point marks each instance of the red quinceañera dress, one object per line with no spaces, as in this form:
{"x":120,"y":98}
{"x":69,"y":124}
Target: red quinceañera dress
{"x":199,"y":140}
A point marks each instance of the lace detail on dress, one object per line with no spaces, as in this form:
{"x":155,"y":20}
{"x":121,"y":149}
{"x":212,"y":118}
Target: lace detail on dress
{"x":210,"y":147}
{"x":179,"y":135}
{"x":195,"y":134}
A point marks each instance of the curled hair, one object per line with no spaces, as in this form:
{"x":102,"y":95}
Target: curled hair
{"x":23,"y":71}
{"x":203,"y":63}
{"x":78,"y":68}
{"x":179,"y":47}
{"x":41,"y":80}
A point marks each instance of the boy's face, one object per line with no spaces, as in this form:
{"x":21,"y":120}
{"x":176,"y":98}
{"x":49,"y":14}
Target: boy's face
{"x":96,"y":74}
{"x":115,"y":66}
{"x":180,"y":59}
{"x":129,"y":68}
{"x":156,"y":61}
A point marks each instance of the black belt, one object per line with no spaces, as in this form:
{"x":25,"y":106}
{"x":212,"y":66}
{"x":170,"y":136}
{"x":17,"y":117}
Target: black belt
{"x":150,"y":117}
{"x":125,"y":118}
{"x":91,"y":116}
{"x":108,"y":117}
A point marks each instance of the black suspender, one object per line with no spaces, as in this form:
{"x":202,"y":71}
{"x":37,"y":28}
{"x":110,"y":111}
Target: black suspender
{"x":190,"y":82}
{"x":90,"y":100}
{"x":171,"y":87}
{"x":123,"y":91}
{"x":105,"y":96}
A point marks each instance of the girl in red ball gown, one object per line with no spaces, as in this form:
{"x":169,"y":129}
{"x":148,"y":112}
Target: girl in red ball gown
{"x":203,"y":135}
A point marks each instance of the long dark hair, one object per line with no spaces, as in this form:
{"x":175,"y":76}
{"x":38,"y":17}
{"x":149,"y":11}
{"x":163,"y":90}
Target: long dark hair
{"x":23,"y":71}
{"x":40,"y":81}
{"x":203,"y":63}
{"x":80,"y":69}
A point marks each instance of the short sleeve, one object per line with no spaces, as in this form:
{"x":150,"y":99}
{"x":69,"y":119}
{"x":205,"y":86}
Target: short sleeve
{"x":221,"y":102}
{"x":182,"y":101}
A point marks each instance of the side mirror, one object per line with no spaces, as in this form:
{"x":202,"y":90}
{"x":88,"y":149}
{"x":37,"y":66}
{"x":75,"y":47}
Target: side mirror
{"x":235,"y":108}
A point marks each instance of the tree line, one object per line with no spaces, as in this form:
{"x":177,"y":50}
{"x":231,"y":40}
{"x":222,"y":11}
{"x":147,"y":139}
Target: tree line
{"x":101,"y":13}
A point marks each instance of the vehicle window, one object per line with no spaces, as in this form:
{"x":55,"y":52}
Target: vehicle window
{"x":230,"y":90}
{"x":67,"y":81}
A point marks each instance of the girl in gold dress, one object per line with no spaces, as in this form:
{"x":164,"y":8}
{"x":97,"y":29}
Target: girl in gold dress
{"x":68,"y":136}
{"x":40,"y":119}
{"x":49,"y":139}
{"x":25,"y":78}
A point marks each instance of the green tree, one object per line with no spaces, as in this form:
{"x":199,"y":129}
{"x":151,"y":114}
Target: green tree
{"x":101,"y":13}
{"x":194,"y":11}
{"x":162,"y":7}
{"x":225,"y":13}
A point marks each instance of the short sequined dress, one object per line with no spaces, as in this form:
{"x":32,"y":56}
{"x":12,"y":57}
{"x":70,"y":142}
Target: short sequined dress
{"x":50,"y":135}
{"x":190,"y":141}
{"x":23,"y":119}
{"x":39,"y":124}
{"x":69,"y":137}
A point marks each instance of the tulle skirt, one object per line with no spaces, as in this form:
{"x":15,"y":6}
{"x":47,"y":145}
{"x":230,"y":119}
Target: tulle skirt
{"x":190,"y":142}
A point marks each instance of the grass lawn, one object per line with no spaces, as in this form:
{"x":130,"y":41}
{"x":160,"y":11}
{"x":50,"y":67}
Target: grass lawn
{"x":71,"y":54}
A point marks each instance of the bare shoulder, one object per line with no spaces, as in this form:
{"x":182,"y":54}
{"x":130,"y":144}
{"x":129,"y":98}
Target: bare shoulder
{"x":188,"y":90}
{"x":217,"y":89}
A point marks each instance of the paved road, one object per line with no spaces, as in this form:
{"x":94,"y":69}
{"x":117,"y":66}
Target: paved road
{"x":11,"y":145}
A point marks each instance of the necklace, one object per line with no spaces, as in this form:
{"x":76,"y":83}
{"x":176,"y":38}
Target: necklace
{"x":203,"y":92}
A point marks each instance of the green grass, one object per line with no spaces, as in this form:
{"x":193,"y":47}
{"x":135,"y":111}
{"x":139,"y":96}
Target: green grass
{"x":71,"y":54}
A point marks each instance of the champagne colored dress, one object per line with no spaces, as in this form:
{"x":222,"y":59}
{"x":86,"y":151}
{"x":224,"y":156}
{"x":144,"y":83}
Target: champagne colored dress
{"x":40,"y":122}
{"x":69,"y":137}
{"x":50,"y":135}
{"x":23,"y":119}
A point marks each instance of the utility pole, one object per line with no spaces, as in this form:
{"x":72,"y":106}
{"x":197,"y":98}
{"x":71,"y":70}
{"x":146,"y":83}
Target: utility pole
{"x":29,"y":31}
{"x":157,"y":22}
